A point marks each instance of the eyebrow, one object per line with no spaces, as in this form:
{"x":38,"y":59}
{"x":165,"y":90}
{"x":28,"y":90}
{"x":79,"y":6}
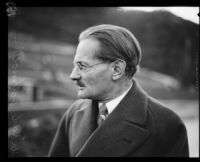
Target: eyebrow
{"x":80,"y":62}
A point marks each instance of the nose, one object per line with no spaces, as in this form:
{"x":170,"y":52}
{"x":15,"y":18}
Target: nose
{"x":75,"y":75}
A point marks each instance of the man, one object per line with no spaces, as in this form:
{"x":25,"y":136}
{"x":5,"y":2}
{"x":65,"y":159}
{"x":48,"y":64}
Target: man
{"x":114,"y":117}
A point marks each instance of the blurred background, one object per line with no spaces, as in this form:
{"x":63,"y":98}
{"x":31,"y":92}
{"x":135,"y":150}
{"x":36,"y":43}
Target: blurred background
{"x":41,"y":46}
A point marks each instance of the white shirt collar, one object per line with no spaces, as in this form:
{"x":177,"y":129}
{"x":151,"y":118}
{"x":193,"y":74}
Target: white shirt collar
{"x":111,"y":105}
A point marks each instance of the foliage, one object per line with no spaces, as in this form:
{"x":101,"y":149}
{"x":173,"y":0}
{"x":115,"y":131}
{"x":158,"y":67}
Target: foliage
{"x":32,"y":133}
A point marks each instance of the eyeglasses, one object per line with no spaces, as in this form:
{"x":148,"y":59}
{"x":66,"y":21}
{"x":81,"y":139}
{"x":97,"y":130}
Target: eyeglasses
{"x":82,"y":67}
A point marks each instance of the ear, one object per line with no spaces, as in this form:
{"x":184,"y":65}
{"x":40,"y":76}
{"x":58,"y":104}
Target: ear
{"x":118,"y":69}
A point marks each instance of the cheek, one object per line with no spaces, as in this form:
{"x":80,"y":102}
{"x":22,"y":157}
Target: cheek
{"x":97,"y":80}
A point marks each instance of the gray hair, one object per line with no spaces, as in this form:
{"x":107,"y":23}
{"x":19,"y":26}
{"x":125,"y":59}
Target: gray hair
{"x":117,"y":43}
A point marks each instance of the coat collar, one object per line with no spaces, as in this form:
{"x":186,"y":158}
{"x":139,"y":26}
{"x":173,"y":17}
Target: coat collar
{"x":133,"y":107}
{"x":122,"y":131}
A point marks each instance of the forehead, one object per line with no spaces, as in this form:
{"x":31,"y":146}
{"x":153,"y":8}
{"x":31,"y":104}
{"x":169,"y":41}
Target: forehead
{"x":86,"y":50}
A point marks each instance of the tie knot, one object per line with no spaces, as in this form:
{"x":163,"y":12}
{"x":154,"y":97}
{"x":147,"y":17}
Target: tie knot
{"x":103,"y":110}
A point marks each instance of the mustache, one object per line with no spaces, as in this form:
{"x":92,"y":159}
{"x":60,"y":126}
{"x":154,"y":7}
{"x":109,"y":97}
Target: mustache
{"x":80,"y":84}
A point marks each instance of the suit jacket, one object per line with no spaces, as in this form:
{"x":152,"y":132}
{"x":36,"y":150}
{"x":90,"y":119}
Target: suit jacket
{"x":138,"y":127}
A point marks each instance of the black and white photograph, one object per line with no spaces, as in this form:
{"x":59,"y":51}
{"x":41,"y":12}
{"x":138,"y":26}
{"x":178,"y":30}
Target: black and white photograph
{"x":103,"y":81}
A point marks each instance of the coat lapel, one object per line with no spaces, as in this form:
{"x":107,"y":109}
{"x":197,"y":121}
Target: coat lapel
{"x":83,"y":125}
{"x":123,"y":130}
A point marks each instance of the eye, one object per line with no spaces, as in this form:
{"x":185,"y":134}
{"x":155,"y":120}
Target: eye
{"x":81,"y":66}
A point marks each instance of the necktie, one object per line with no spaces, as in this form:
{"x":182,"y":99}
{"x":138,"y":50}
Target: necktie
{"x":103,"y":112}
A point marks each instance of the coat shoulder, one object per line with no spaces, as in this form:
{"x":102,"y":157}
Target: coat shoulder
{"x":160,"y":110}
{"x":169,"y":131}
{"x":164,"y":118}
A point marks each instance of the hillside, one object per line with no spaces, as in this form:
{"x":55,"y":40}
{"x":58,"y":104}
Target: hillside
{"x":164,"y":37}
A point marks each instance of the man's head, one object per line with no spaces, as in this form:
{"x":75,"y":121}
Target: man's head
{"x":106,"y":56}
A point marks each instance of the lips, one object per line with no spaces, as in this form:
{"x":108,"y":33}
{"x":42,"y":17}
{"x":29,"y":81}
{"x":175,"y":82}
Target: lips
{"x":80,"y":88}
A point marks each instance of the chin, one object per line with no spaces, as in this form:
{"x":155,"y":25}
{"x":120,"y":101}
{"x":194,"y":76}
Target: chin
{"x":83,"y":95}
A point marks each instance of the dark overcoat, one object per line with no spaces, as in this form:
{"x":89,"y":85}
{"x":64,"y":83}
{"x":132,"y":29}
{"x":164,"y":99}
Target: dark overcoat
{"x":139,"y":126}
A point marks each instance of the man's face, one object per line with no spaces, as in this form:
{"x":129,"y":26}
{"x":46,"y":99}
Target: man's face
{"x":93,"y":82}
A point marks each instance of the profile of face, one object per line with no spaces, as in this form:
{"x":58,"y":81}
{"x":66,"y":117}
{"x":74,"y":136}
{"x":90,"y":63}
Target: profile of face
{"x":92,"y":76}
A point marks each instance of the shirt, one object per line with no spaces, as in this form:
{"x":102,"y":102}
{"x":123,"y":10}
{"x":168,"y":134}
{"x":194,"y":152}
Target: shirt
{"x":111,"y":105}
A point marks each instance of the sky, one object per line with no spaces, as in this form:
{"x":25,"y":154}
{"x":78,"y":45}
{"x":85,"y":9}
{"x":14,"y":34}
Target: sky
{"x":188,"y":13}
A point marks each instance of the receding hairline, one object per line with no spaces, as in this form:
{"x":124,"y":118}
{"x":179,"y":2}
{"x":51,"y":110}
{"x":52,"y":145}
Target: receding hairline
{"x":108,"y":28}
{"x":120,"y":39}
{"x":103,"y":27}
